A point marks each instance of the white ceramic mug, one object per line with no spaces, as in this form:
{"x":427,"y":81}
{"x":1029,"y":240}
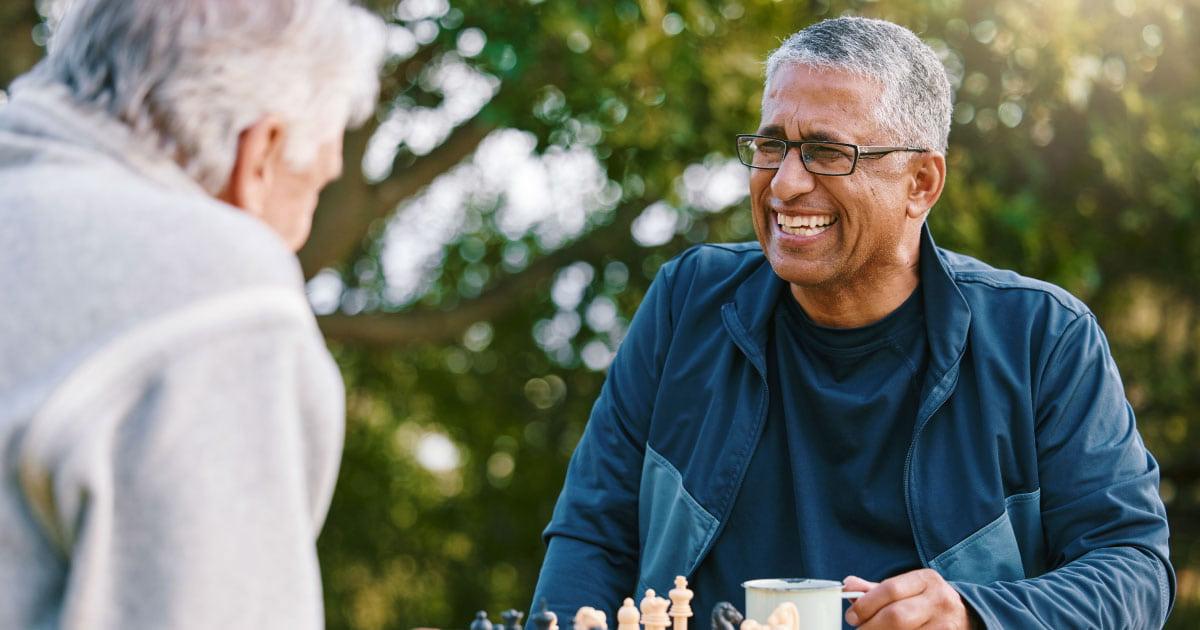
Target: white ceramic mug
{"x":818,"y":602}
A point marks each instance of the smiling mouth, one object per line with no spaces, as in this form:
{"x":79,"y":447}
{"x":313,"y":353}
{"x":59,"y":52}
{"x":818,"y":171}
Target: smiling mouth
{"x":807,"y":225}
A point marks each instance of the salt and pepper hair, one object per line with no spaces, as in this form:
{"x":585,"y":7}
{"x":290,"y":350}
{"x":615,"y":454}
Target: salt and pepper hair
{"x":916,"y":100}
{"x":188,"y":76}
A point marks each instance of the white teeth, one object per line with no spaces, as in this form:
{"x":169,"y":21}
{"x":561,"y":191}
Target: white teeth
{"x":805,"y":224}
{"x":803,"y":231}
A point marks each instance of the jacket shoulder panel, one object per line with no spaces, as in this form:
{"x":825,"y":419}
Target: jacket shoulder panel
{"x":986,"y":286}
{"x":710,"y":274}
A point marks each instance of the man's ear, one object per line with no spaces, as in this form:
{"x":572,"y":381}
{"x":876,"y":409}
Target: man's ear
{"x":928,"y":177}
{"x":259,"y":156}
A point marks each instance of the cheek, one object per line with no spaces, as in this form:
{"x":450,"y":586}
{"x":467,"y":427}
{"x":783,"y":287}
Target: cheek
{"x":294,"y":198}
{"x":760,"y":177}
{"x":760,"y":186}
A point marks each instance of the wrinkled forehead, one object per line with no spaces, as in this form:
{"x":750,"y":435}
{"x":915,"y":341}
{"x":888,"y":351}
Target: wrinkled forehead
{"x":799,"y":98}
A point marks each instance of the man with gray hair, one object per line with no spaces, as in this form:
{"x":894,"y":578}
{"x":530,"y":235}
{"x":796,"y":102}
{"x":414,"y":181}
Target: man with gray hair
{"x":170,"y":419}
{"x":844,"y":400}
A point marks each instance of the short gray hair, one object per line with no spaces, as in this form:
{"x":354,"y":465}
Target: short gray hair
{"x":188,"y":76}
{"x":917,"y":100}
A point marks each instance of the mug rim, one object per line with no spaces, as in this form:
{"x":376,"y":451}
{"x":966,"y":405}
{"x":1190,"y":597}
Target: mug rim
{"x":785,"y":585}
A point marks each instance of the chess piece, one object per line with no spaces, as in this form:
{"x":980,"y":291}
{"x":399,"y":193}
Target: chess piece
{"x":544,"y":619}
{"x":654,"y":611}
{"x":726,"y":617}
{"x":681,"y":599}
{"x":750,"y":624}
{"x":481,"y":621}
{"x":785,"y":617}
{"x":588,"y":618}
{"x":512,"y":619}
{"x":628,"y":617}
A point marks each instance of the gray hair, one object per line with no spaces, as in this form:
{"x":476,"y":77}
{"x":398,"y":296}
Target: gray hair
{"x":916,"y":101}
{"x":188,"y":76}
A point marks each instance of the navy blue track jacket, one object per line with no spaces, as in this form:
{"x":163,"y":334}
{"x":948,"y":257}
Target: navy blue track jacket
{"x":1026,"y":482}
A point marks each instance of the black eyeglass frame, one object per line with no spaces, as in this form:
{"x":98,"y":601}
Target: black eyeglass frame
{"x":867,"y":151}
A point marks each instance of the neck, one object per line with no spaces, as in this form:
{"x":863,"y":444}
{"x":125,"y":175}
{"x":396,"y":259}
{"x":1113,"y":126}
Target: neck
{"x":864,"y":303}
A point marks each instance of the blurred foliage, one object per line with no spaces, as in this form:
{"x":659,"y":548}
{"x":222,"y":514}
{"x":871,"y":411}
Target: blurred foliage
{"x":1075,"y":157}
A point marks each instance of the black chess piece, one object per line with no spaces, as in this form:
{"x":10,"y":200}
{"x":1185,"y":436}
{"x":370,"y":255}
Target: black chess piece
{"x":544,"y":618}
{"x":726,"y":617}
{"x":512,"y":619}
{"x":481,"y":621}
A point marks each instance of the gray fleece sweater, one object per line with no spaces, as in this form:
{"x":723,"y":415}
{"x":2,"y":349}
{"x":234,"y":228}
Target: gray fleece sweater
{"x":170,"y":419}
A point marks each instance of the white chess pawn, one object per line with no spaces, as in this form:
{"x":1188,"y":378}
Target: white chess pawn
{"x":628,"y":617}
{"x":681,"y":598}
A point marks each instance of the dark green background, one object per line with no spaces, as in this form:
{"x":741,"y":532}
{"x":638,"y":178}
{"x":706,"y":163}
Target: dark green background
{"x":1075,"y":157}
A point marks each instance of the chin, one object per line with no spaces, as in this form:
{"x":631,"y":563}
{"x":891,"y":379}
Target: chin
{"x":298,"y":235}
{"x":297,"y":241}
{"x":803,"y":273}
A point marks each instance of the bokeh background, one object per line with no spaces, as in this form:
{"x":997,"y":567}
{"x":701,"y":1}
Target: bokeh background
{"x":533,"y":162}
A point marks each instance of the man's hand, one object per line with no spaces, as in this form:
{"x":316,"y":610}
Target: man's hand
{"x":917,"y":599}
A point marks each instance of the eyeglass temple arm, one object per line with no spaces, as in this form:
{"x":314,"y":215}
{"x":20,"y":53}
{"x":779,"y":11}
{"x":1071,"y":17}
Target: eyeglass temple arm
{"x":873,"y":150}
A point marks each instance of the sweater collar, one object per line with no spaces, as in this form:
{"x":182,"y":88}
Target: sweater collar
{"x":48,"y":114}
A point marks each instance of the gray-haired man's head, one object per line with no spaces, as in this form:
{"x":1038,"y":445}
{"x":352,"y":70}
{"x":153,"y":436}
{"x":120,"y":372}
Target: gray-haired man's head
{"x":250,"y":98}
{"x":916,"y":99}
{"x":193,"y":73}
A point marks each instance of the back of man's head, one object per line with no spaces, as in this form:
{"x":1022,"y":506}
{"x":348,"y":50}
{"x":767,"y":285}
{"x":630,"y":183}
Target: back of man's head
{"x":916,"y":100}
{"x":187,"y":76}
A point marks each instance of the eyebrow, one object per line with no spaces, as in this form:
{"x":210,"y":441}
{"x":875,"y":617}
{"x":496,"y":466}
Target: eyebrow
{"x":816,"y":136}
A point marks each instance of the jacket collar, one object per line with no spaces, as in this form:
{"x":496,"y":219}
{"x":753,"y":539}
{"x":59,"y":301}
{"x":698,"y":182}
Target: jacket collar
{"x":947,"y":315}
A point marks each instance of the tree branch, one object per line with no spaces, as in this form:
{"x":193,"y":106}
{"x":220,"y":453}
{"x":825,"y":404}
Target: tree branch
{"x":425,"y":325}
{"x":407,"y":182}
{"x":338,"y":231}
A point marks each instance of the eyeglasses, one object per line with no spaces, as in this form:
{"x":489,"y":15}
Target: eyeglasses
{"x":819,"y":158}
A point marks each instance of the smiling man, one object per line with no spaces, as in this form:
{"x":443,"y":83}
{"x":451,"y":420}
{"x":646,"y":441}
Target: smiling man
{"x":845,"y":400}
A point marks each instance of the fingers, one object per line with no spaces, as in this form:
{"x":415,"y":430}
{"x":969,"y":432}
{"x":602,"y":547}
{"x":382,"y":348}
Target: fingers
{"x":890,"y":591}
{"x":917,"y":599}
{"x":855,"y":583}
{"x":906,"y":614}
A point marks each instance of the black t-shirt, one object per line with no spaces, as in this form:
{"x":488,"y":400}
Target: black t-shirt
{"x":824,"y":494}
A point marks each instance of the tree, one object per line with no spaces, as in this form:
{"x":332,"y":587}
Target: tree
{"x":1074,"y":158}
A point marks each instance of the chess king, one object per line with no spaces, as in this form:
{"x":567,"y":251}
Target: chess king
{"x":843,"y":398}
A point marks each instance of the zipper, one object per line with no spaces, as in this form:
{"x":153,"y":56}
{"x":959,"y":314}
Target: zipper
{"x":912,"y":448}
{"x":737,"y":333}
{"x":737,"y":486}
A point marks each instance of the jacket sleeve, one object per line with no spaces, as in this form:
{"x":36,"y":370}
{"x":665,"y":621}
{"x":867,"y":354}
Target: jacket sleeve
{"x":187,"y":491}
{"x":1105,"y":526}
{"x":592,"y":539}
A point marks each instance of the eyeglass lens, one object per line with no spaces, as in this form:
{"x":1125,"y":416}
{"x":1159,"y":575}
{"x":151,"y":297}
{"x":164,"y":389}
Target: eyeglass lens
{"x":819,"y":158}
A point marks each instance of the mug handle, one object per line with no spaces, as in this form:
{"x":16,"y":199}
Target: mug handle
{"x":852,"y":594}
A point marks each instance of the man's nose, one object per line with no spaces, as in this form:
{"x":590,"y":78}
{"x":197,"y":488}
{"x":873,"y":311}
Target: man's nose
{"x":791,"y":178}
